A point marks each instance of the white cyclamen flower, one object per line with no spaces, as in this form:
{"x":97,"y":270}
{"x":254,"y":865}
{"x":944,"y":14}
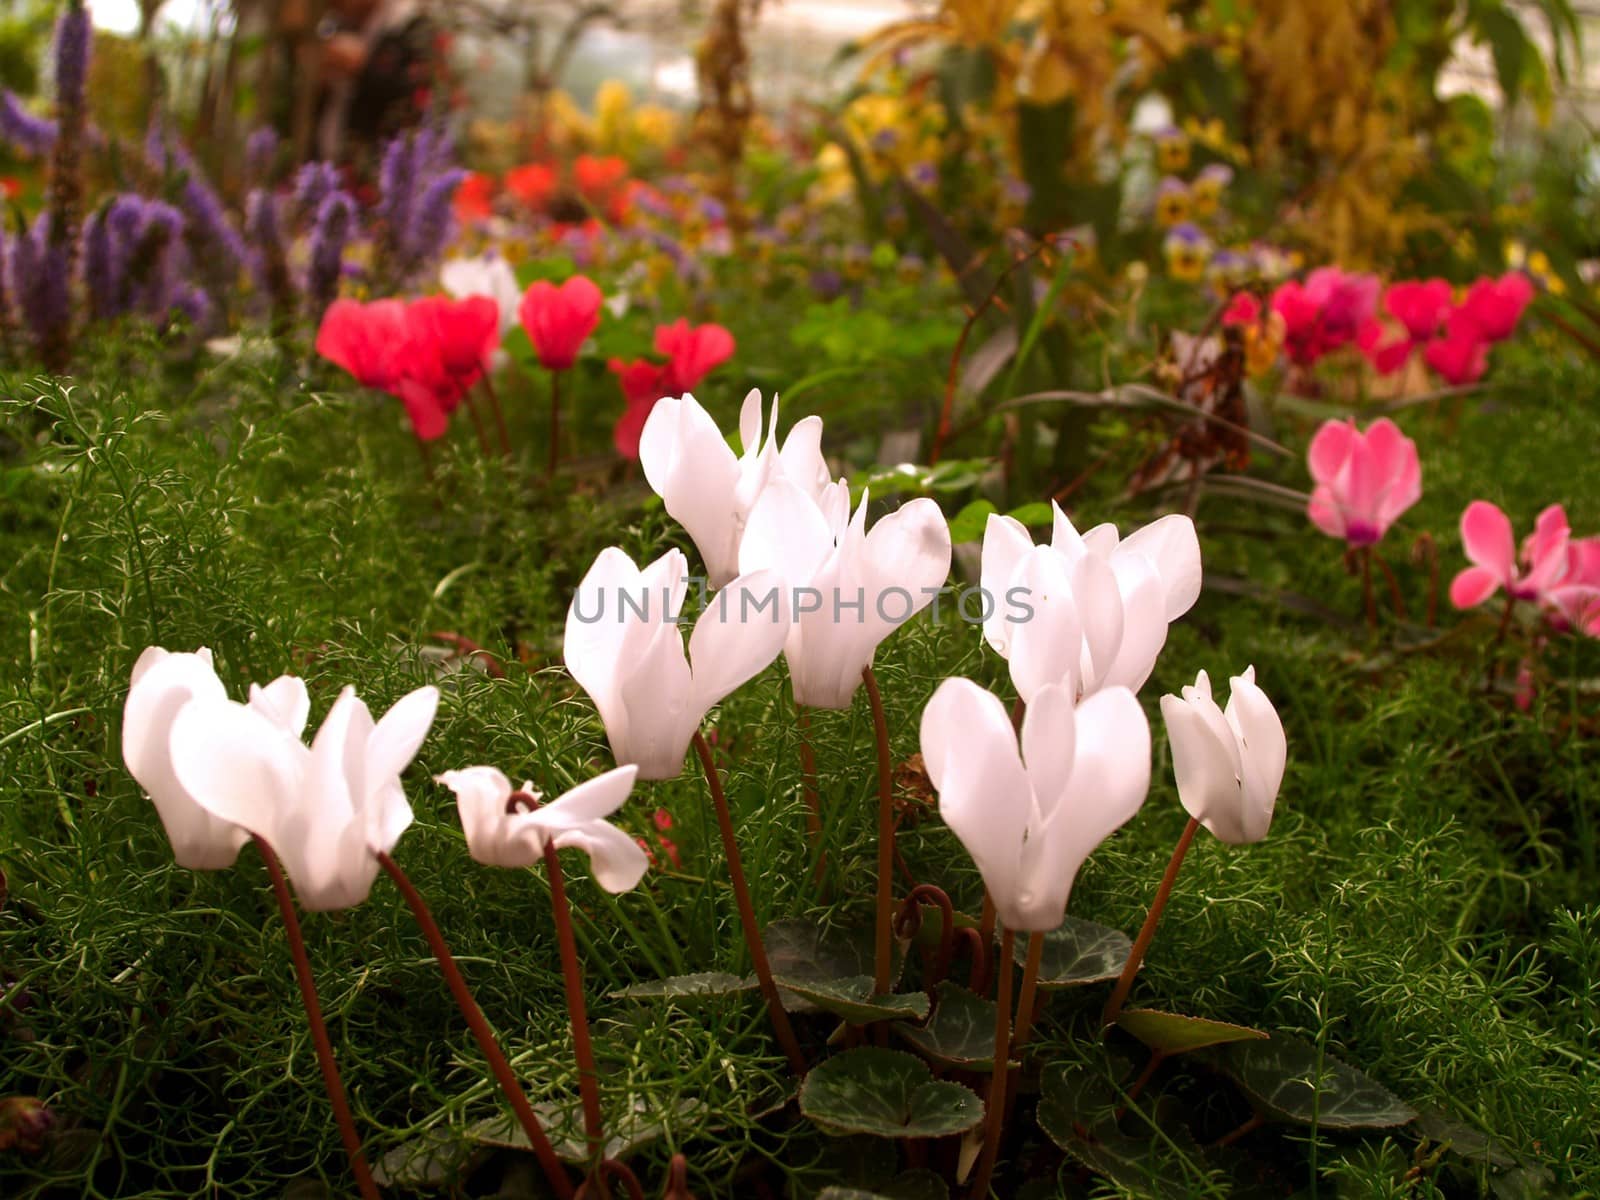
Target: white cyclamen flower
{"x":488,"y":275}
{"x":624,"y":649}
{"x":1031,"y":815}
{"x":708,"y":490}
{"x":507,"y":827}
{"x":327,"y":809}
{"x":1115,"y":597}
{"x":1229,"y":763}
{"x":851,"y":588}
{"x":163,"y":683}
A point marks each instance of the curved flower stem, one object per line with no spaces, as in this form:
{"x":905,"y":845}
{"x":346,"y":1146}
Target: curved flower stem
{"x":499,"y":414}
{"x":1395,"y":598}
{"x":995,"y":1114}
{"x":908,"y":923}
{"x":555,"y":423}
{"x":572,"y":978}
{"x":319,"y":1029}
{"x":747,"y":912}
{"x":618,"y":1170}
{"x":1499,"y":641}
{"x":883,"y":925}
{"x":512,"y":1090}
{"x":677,"y":1179}
{"x":1148,"y":932}
{"x":1028,"y":996}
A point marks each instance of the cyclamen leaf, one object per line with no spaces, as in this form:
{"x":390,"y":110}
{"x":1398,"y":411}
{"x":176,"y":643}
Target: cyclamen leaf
{"x":959,"y":1034}
{"x":688,"y":987}
{"x":1078,"y":952}
{"x":1172,"y":1033}
{"x":886,"y":1093}
{"x":1279,"y":1074}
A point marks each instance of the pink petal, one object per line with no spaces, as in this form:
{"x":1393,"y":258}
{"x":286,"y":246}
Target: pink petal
{"x":1472,"y":587}
{"x":1330,"y":449}
{"x":1486,"y":536}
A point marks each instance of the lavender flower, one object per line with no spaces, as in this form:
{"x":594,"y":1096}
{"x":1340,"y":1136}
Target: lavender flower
{"x":199,"y":199}
{"x":398,"y":179}
{"x":100,"y":271}
{"x":260,"y":152}
{"x":261,"y":221}
{"x":314,"y":183}
{"x":332,"y":230}
{"x":432,"y":223}
{"x":73,"y":33}
{"x":39,"y":282}
{"x":31,"y":135}
{"x":194,"y":303}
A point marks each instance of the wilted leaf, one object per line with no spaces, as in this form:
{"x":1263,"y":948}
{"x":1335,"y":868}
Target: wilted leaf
{"x":886,"y":1093}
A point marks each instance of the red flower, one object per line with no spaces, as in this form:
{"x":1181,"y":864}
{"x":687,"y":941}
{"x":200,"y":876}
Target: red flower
{"x":1420,"y":306}
{"x":603,"y":183}
{"x":10,"y":187}
{"x":1460,"y":356}
{"x":532,"y":185}
{"x":1243,"y":309}
{"x":364,"y":340}
{"x":692,"y":352}
{"x":1494,"y":306}
{"x":463,"y":332}
{"x":474,"y":198}
{"x":560,"y":319}
{"x":643,"y":383}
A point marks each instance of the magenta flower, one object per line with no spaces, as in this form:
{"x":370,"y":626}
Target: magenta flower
{"x":1536,"y":574}
{"x":1325,"y":313}
{"x":1461,"y":356}
{"x":1575,"y":600}
{"x":1364,"y":480}
{"x":1420,"y":306}
{"x":1494,"y":306}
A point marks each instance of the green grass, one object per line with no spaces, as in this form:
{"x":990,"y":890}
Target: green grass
{"x":1423,"y":908}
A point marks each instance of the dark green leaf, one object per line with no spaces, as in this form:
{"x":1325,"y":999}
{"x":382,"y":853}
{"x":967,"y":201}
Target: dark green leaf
{"x":886,"y":1093}
{"x":921,"y":1184}
{"x":853,"y":1000}
{"x":959,"y":1034}
{"x":1171,"y":1033}
{"x":563,"y":1125}
{"x":1078,"y":952}
{"x":431,"y":1160}
{"x":803,"y":953}
{"x":1282,"y":1075}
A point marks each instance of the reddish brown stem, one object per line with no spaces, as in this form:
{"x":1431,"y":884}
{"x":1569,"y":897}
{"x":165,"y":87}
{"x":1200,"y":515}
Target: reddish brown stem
{"x":471,"y":406}
{"x":509,"y":1087}
{"x":986,"y":933}
{"x":1139,"y":1084}
{"x":1028,"y":997}
{"x":614,"y":1169}
{"x":499,"y":414}
{"x":978,"y":979}
{"x":1249,"y":1127}
{"x":1368,"y":599}
{"x":572,"y":978}
{"x":319,"y":1028}
{"x":994,"y":1117}
{"x":1151,"y":920}
{"x":884,"y":924}
{"x":1395,"y":597}
{"x":747,"y":912}
{"x":909,"y":923}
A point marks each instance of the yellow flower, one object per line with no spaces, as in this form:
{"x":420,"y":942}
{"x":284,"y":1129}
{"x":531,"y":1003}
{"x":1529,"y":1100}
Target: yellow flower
{"x":657,"y":126}
{"x":1172,"y":151}
{"x":1172,"y":203}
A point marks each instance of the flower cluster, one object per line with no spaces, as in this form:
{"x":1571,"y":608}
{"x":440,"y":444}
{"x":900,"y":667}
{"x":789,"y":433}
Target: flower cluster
{"x":1553,"y":570}
{"x":1453,"y":337}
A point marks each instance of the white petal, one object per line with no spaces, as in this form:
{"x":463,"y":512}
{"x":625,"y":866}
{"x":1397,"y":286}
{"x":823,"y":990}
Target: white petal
{"x":1263,"y":752}
{"x":1173,"y":549}
{"x":285,"y":702}
{"x":1205,"y":767}
{"x":801,"y":458}
{"x":163,"y":684}
{"x":1099,"y":601}
{"x":787,"y":532}
{"x":1064,"y":536}
{"x":1005,"y":542}
{"x":1047,"y":648}
{"x":739,"y":634}
{"x":971,"y":754}
{"x":481,"y":796}
{"x":907,"y":558}
{"x":238,"y":766}
{"x":597,"y":633}
{"x":750,"y":421}
{"x":400,"y":734}
{"x":1049,"y":741}
{"x":616,"y":859}
{"x":659,"y":705}
{"x":593,"y":799}
{"x":1144,"y":623}
{"x":1111,"y":770}
{"x":691,"y":468}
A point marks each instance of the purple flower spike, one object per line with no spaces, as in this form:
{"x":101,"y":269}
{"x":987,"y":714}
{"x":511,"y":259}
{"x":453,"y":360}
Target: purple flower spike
{"x":73,"y":35}
{"x":31,"y":135}
{"x":260,"y":152}
{"x":39,"y":281}
{"x":433,"y":223}
{"x":335,"y":218}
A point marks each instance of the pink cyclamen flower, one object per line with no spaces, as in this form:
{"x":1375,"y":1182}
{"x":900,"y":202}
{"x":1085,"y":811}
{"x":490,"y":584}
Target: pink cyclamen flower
{"x":1575,"y":601}
{"x":1364,"y":480}
{"x":1461,"y":356}
{"x":693,"y":352}
{"x":1494,"y":306}
{"x":560,"y":319}
{"x":1536,"y":574}
{"x":1325,"y":313}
